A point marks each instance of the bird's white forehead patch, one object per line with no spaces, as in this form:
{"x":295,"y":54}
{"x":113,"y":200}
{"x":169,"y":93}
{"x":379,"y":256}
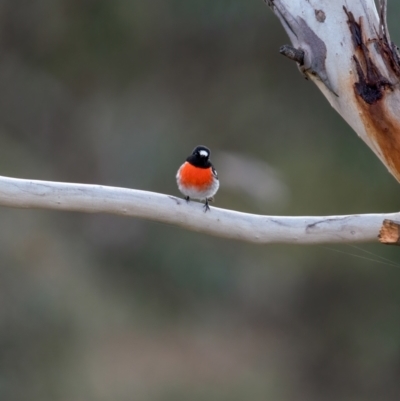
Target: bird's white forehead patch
{"x":203,"y":153}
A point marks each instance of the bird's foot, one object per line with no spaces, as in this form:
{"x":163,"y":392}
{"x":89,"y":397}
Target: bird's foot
{"x":206,"y":206}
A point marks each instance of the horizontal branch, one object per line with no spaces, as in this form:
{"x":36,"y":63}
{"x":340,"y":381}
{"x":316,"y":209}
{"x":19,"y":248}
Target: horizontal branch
{"x":20,"y":193}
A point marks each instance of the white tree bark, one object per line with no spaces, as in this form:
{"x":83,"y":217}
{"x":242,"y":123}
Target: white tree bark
{"x":170,"y":209}
{"x":348,"y":54}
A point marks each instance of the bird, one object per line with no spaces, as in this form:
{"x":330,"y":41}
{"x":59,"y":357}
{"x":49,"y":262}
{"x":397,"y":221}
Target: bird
{"x":197,"y":177}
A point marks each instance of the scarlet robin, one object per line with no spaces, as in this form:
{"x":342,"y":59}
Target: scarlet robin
{"x":197,"y":177}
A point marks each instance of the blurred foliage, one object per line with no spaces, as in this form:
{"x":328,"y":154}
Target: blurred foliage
{"x":100,"y":307}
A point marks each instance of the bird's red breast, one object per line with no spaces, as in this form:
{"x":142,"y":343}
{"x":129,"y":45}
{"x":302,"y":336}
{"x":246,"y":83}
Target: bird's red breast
{"x":192,"y":176}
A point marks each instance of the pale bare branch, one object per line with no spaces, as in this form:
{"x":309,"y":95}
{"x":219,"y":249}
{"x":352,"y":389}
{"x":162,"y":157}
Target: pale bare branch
{"x":260,"y":229}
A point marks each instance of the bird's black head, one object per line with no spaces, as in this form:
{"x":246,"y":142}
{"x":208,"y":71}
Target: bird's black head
{"x":202,"y":152}
{"x":200,"y":157}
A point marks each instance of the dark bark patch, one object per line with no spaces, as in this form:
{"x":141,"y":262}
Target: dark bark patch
{"x":320,"y":15}
{"x":317,"y":53}
{"x":371,"y":83}
{"x":355,"y":28}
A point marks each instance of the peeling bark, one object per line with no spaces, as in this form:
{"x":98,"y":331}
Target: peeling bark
{"x":349,"y":55}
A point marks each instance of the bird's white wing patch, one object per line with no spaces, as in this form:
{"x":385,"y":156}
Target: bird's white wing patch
{"x":215,"y":173}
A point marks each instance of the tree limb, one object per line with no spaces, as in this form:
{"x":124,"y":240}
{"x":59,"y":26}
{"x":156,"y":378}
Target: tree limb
{"x":259,"y":229}
{"x":345,"y":49}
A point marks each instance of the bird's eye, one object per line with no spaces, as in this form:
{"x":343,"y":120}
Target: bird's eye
{"x":203,"y":153}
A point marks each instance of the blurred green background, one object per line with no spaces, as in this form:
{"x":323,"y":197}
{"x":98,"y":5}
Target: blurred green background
{"x":96,"y":307}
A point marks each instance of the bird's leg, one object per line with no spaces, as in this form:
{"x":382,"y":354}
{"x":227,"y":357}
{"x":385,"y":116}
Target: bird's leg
{"x":187,"y":199}
{"x":206,"y":206}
